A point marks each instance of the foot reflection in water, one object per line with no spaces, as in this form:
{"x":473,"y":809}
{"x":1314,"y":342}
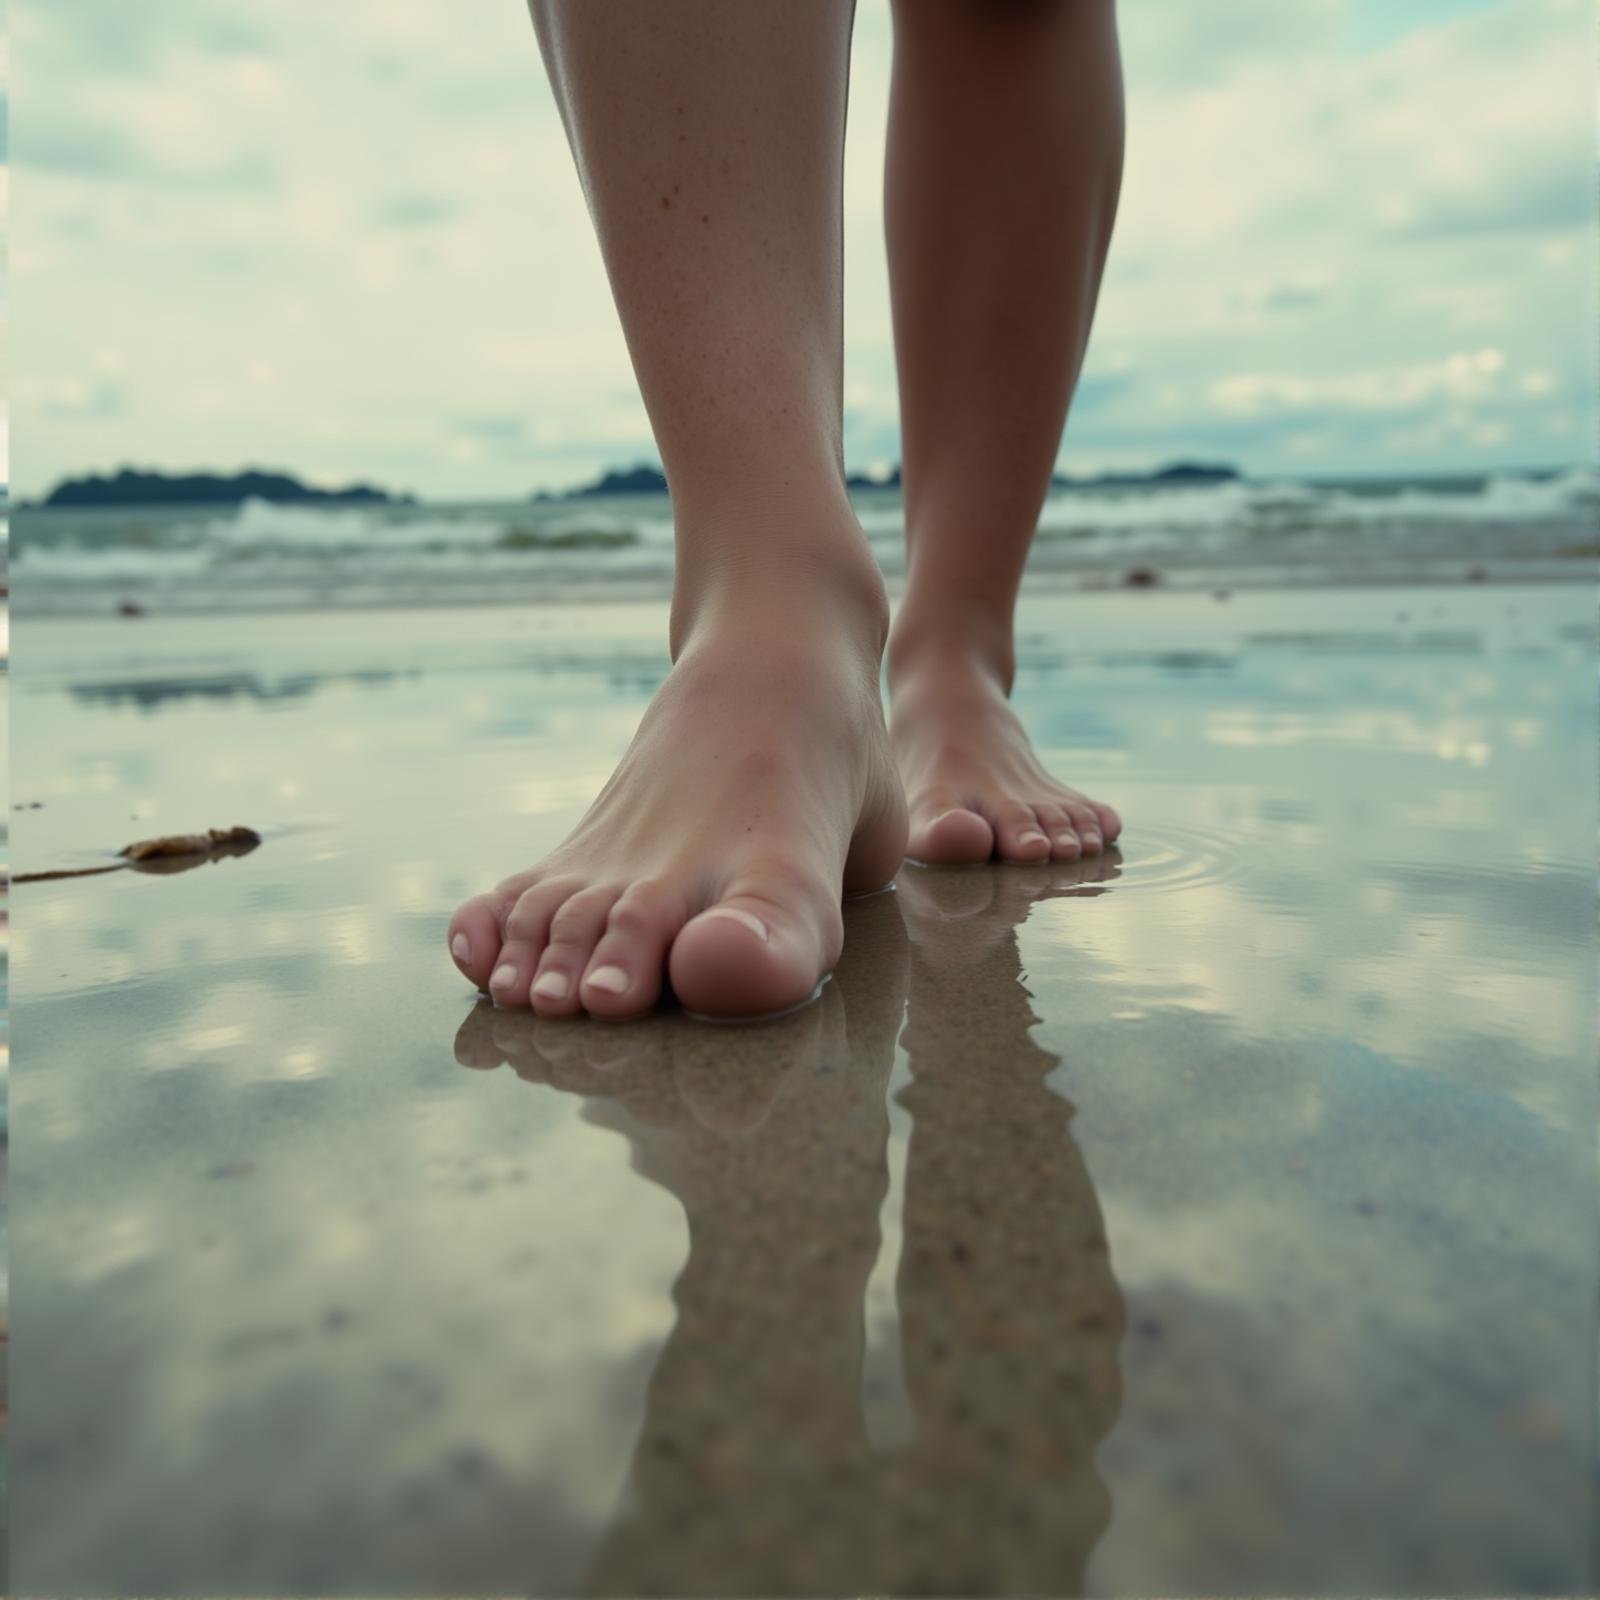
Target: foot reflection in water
{"x":753,"y":1471}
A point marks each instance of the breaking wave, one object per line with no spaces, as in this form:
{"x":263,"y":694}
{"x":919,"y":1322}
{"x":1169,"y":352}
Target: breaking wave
{"x":271,"y":552}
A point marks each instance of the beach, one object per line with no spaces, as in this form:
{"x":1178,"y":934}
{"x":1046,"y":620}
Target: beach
{"x":1216,"y":1216}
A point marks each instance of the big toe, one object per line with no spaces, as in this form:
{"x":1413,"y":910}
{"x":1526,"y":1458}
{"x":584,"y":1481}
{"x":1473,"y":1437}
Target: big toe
{"x":950,"y":836}
{"x":756,"y":952}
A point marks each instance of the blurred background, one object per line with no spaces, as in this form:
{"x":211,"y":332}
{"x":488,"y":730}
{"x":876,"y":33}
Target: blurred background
{"x":1353,"y":280}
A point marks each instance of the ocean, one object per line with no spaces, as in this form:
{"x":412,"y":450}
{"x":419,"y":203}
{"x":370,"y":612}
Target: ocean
{"x":264,"y":556}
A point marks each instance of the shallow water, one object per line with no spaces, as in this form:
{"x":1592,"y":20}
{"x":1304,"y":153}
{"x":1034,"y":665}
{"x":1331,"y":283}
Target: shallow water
{"x":1219,"y":1217}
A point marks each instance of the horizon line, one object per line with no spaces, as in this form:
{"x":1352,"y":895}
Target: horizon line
{"x":330,"y":486}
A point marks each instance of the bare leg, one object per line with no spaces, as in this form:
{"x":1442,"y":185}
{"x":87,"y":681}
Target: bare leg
{"x":709,"y":136}
{"x":1005,"y":159}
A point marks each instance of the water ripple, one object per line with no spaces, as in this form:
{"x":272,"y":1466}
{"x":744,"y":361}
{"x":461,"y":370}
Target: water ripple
{"x":1168,"y":858}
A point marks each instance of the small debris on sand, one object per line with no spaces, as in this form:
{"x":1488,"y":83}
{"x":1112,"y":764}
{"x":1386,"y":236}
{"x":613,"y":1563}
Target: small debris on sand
{"x":189,"y":844}
{"x":129,"y":608}
{"x":1140,"y":578}
{"x":1477,"y":575}
{"x":1222,"y":594}
{"x":173,"y":852}
{"x":69,"y":872}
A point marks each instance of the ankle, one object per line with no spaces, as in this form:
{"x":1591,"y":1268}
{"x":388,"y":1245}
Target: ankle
{"x":950,"y":639}
{"x":824,"y":579}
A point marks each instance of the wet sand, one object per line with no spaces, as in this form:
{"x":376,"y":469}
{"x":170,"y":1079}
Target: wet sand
{"x":1219,"y":1217}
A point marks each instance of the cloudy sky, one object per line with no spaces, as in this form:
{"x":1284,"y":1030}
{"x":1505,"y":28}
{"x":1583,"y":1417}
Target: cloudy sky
{"x":346,"y":239}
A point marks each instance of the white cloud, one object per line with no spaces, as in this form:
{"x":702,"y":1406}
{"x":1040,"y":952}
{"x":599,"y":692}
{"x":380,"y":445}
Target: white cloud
{"x":1462,"y":376}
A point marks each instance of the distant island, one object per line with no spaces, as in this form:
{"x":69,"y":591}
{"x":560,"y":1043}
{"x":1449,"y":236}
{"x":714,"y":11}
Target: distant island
{"x":132,"y":488}
{"x":1181,"y":474}
{"x":1178,"y":475}
{"x":619,"y":480}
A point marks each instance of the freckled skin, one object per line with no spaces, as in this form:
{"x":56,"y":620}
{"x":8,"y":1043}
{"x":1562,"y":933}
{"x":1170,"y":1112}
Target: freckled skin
{"x":1006,"y":123}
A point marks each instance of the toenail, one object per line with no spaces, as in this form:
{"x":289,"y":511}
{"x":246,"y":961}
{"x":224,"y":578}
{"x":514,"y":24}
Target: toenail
{"x":1032,"y":836}
{"x":502,"y":976}
{"x":1091,"y":841}
{"x":461,"y":948}
{"x":753,"y":923}
{"x":554,"y":986}
{"x":612,"y":979}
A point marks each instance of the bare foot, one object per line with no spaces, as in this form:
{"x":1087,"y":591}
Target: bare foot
{"x":974,"y":786}
{"x":759,"y":788}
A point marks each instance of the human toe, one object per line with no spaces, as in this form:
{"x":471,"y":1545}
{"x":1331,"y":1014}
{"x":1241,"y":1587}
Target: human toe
{"x":1110,"y":822}
{"x":1086,"y":823}
{"x":945,"y":834}
{"x":1018,"y":836}
{"x":1065,"y":844}
{"x":623,"y":975}
{"x":757,"y":951}
{"x":474,"y":938}
{"x":575,"y":928}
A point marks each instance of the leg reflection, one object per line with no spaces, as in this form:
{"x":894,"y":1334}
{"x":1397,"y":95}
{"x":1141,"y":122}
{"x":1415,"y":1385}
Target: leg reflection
{"x":752,"y":1473}
{"x":1010,"y":1313}
{"x":752,"y":1465}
